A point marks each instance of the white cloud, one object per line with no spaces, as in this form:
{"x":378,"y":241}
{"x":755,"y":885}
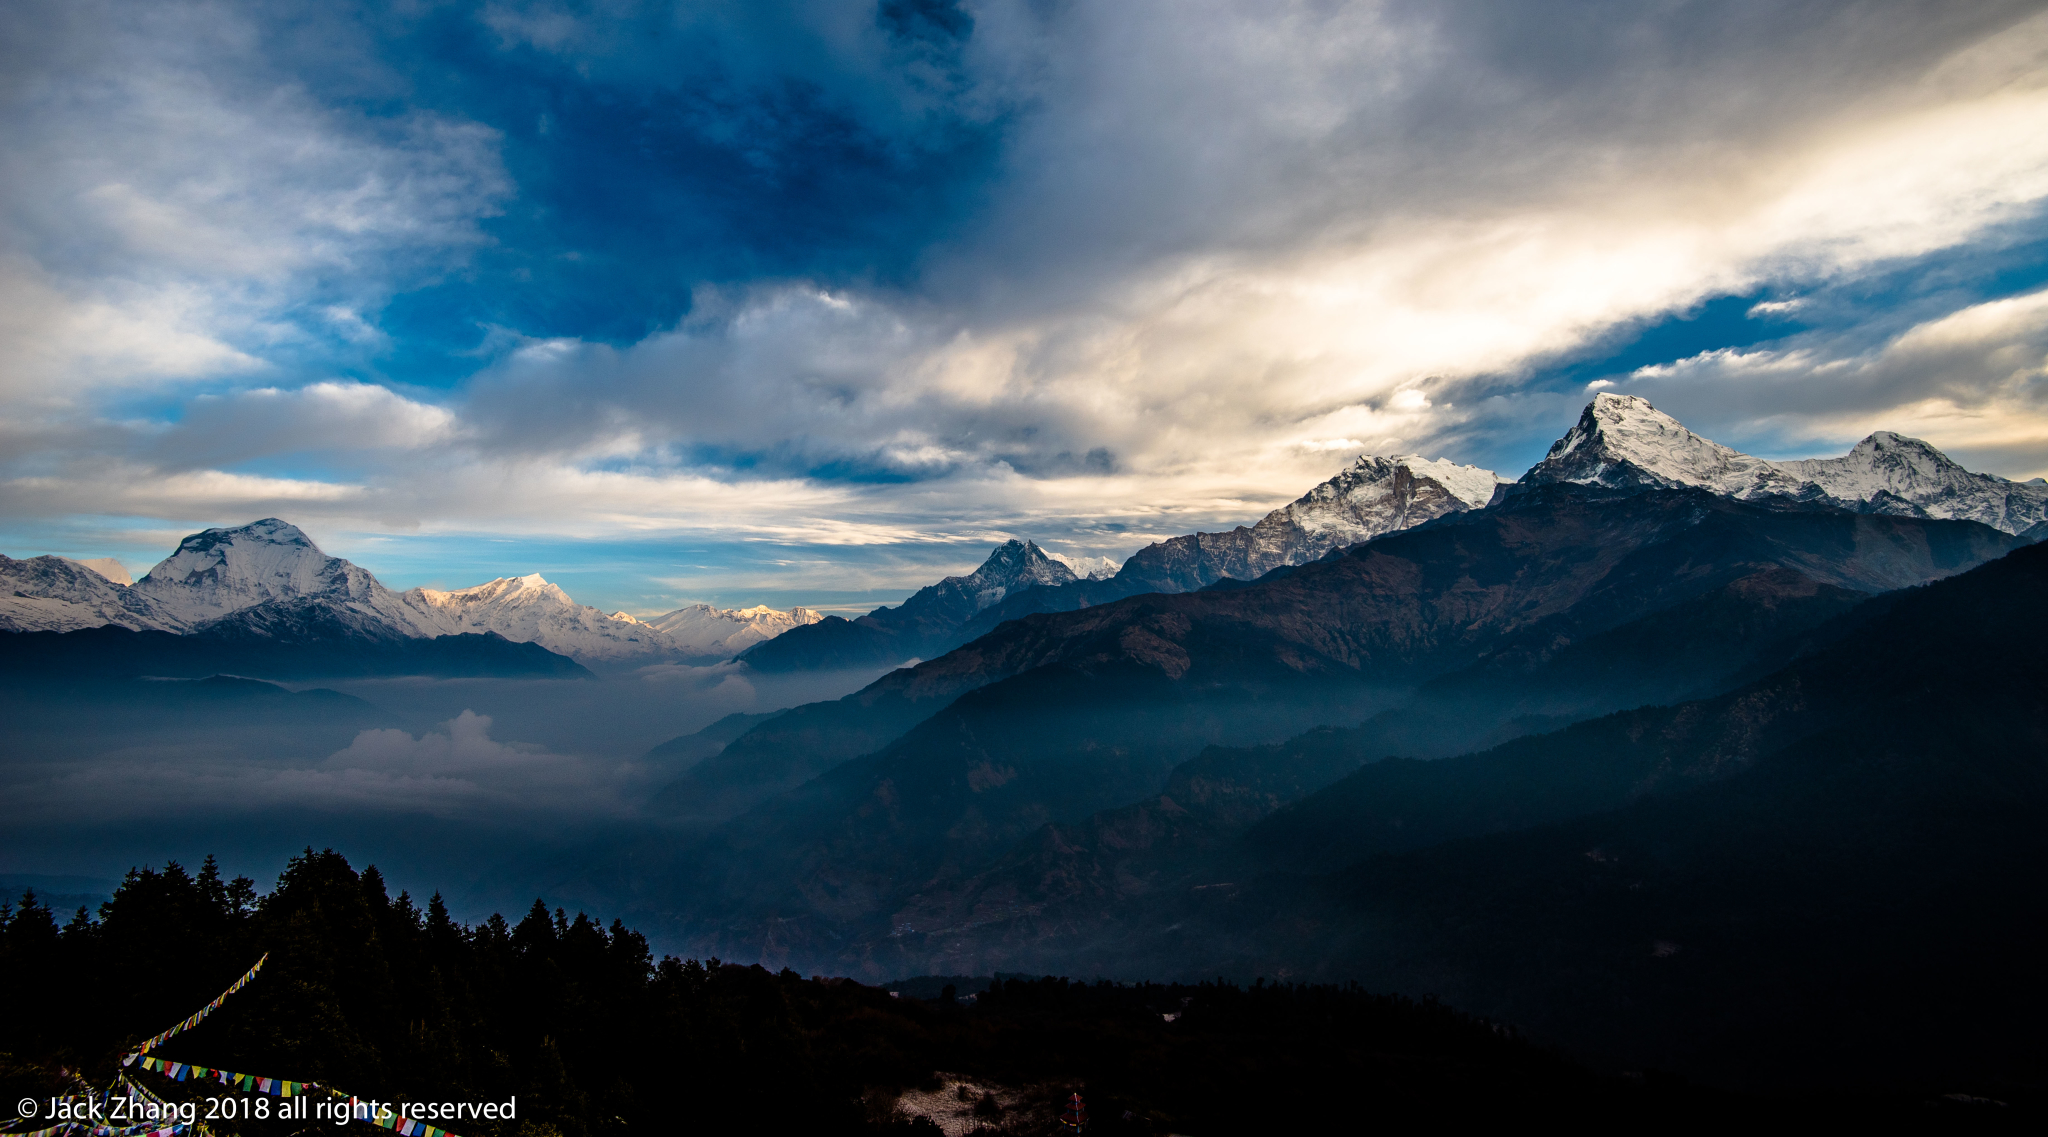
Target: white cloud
{"x":1975,"y":382}
{"x":166,"y":201}
{"x":1230,"y":242}
{"x":329,"y":417}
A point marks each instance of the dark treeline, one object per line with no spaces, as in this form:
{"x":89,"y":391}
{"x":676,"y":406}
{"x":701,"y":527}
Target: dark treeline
{"x":388,"y":999}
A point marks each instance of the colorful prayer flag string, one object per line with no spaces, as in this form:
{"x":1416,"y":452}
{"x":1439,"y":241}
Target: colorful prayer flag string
{"x":200,"y":1015}
{"x":182,"y":1072}
{"x":280,"y":1087}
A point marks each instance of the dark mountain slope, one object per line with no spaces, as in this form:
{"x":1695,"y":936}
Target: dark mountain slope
{"x":1846,"y":855}
{"x":1595,"y":766}
{"x":803,"y":742}
{"x":1407,"y":607}
{"x":1090,"y":710}
{"x":687,"y":750}
{"x":62,"y":717}
{"x":249,"y":648}
{"x":1067,"y":895}
{"x":1830,"y":876}
{"x":1373,"y":495}
{"x":1562,"y":562}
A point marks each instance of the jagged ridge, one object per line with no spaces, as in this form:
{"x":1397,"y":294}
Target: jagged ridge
{"x":1622,"y":441}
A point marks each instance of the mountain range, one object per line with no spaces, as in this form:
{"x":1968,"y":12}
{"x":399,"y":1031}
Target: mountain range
{"x":1176,"y":783}
{"x":1823,"y":873}
{"x":1665,"y":752}
{"x":267,"y":581}
{"x":1372,"y":496}
{"x":1620,"y":441}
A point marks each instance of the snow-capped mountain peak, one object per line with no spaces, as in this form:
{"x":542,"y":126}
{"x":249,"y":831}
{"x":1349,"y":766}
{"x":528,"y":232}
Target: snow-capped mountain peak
{"x":53,"y":594}
{"x":530,"y":608}
{"x":1623,"y":441}
{"x":221,"y":571}
{"x":1088,"y":568}
{"x":269,"y":579}
{"x":1014,"y":565}
{"x":108,"y":567}
{"x":704,"y":631}
{"x":505,"y":591}
{"x":1374,"y":495}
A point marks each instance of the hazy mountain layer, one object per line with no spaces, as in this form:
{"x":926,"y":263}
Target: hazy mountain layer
{"x":326,"y":651}
{"x":1065,"y":715}
{"x":1825,"y":873}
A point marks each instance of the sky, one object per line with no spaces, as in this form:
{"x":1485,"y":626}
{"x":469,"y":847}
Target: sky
{"x":805,"y":302}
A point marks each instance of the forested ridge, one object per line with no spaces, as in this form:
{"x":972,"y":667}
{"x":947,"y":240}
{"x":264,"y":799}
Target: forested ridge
{"x":386,"y":998}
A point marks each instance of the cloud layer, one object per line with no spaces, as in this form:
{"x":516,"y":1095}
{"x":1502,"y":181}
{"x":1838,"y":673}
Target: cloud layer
{"x":813,"y":277}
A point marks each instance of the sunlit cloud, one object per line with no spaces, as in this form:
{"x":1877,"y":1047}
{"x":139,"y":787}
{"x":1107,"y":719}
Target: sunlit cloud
{"x":1976,"y":379}
{"x":1176,"y":264}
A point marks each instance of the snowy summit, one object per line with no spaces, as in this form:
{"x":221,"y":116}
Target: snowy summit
{"x":1623,"y":441}
{"x":268,"y":578}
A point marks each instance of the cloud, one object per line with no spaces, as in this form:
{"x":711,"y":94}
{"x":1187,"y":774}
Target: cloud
{"x":170,"y":201}
{"x":1976,"y":379}
{"x":813,"y":277}
{"x":459,"y":771}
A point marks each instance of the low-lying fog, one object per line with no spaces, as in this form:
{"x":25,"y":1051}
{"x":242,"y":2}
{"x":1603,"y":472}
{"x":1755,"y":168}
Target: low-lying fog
{"x":491,"y":791}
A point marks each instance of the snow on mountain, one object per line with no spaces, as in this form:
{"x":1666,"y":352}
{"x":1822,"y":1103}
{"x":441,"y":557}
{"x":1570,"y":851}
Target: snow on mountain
{"x":1088,"y":568}
{"x":702,"y":631}
{"x":52,"y":594}
{"x":226,"y":572}
{"x":1013,"y":566}
{"x":108,"y":567}
{"x":1621,"y":440}
{"x":1373,"y":495}
{"x":268,"y":580}
{"x":1378,"y":495}
{"x":926,"y":624}
{"x":1890,"y":473}
{"x":530,"y":609}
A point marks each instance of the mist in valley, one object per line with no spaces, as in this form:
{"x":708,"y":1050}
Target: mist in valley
{"x":490,"y":791}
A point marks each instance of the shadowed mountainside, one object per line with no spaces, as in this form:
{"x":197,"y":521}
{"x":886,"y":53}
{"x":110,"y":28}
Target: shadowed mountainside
{"x":1827,"y":872}
{"x":1057,"y":717}
{"x":242,"y":649}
